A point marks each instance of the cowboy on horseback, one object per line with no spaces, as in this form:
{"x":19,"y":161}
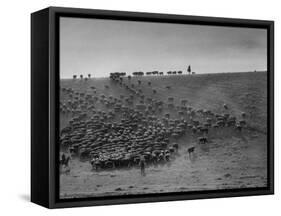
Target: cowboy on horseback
{"x":64,"y":160}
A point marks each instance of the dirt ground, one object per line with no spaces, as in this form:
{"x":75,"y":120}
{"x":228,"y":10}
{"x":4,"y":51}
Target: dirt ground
{"x":230,"y":160}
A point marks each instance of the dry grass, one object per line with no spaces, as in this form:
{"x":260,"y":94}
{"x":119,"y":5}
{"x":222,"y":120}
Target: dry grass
{"x":231,"y":160}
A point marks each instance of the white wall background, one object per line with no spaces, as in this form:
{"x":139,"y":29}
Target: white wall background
{"x":15,"y":106}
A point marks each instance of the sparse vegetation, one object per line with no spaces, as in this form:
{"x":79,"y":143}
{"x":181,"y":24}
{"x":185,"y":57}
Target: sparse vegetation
{"x":194,"y":105}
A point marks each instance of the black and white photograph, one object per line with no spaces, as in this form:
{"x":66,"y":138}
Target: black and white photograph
{"x":155,"y":107}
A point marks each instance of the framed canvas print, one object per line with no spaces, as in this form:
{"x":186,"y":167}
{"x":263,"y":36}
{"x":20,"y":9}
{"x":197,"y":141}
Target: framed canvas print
{"x":139,"y":107}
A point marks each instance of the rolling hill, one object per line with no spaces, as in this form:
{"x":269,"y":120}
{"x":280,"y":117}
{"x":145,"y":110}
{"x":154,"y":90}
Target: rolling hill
{"x":230,"y":160}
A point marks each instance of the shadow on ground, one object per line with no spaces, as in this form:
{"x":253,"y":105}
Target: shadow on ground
{"x":25,"y":197}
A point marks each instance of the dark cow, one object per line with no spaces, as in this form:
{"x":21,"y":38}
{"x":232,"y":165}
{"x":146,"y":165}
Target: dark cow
{"x":202,"y":140}
{"x":190,"y":150}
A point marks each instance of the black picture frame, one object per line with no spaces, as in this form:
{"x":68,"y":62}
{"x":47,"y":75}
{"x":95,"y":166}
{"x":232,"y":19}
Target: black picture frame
{"x":45,"y":105}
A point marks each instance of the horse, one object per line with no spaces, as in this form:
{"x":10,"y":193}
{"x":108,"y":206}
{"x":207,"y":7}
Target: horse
{"x":65,"y":160}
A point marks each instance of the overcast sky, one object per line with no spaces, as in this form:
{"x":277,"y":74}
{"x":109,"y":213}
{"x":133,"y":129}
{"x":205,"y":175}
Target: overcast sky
{"x":99,"y":47}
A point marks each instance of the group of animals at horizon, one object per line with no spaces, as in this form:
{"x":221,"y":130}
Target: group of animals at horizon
{"x":115,"y":132}
{"x":140,"y":73}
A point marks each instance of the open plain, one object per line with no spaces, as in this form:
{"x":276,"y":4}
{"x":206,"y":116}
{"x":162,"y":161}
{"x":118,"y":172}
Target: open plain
{"x":234,"y":156}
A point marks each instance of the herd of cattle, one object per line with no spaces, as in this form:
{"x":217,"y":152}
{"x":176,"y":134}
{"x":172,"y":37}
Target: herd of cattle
{"x":115,"y":132}
{"x":140,"y":73}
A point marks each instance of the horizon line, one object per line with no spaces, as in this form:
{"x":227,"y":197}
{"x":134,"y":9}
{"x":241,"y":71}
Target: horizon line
{"x":85,"y":76}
